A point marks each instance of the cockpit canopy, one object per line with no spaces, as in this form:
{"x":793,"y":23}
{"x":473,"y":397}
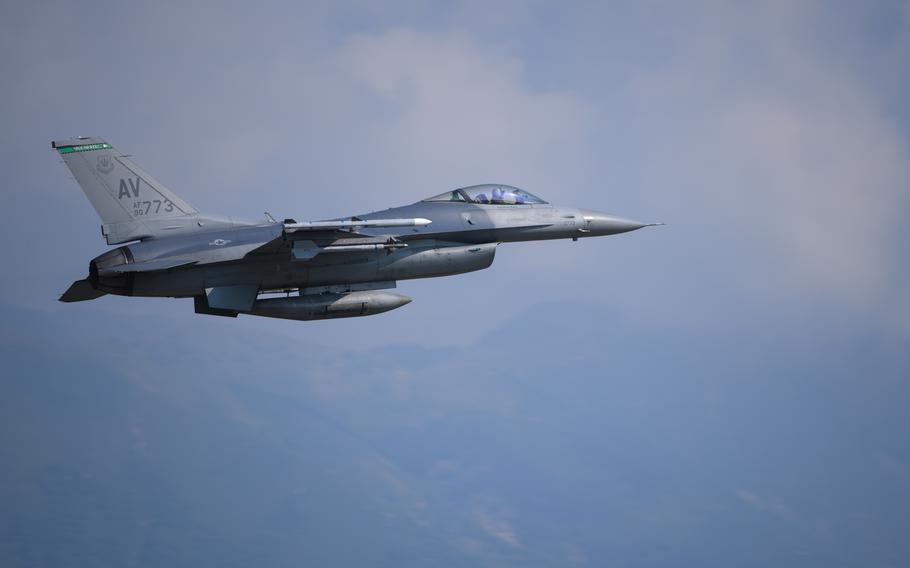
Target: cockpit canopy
{"x":488,"y":193}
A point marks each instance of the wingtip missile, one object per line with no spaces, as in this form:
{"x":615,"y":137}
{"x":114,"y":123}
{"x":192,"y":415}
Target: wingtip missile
{"x":355,"y":224}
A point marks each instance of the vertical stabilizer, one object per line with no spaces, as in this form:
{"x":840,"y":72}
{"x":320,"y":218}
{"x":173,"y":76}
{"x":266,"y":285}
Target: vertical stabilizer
{"x":131,"y":203}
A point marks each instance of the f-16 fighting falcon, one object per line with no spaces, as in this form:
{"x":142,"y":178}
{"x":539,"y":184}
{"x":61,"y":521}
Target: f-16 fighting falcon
{"x":298,"y":270}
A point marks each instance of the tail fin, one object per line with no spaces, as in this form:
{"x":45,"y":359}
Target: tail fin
{"x":131,"y":203}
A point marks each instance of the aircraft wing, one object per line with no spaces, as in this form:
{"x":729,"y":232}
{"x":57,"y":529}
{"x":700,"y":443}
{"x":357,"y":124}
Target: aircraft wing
{"x":311,"y":238}
{"x":303,"y":240}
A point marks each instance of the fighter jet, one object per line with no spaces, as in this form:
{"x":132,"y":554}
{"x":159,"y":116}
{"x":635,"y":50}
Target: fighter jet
{"x":287,"y":269}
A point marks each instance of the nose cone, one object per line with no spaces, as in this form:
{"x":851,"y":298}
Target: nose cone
{"x":598,"y":223}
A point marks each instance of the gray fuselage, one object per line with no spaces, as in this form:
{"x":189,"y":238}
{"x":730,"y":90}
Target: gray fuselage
{"x":462,"y":237}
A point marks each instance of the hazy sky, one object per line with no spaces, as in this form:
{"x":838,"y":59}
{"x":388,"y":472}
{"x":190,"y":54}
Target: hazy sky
{"x":771,"y":137}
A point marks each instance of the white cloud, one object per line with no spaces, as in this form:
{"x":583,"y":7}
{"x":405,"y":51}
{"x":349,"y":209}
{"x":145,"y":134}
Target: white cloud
{"x":498,"y":528}
{"x":772,"y":505}
{"x":459,"y":111}
{"x":782,"y":156}
{"x":834,"y":184}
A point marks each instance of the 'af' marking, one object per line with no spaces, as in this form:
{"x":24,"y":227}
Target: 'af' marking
{"x":125,"y":192}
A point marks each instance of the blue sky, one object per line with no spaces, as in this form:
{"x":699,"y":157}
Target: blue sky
{"x":771,"y":137}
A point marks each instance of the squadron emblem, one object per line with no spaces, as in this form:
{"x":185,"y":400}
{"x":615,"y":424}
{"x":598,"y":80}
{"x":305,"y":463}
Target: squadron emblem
{"x":105,"y":164}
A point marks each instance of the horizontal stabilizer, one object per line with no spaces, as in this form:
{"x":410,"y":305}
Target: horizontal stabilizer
{"x":350,"y":224}
{"x":150,"y":265}
{"x":80,"y":291}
